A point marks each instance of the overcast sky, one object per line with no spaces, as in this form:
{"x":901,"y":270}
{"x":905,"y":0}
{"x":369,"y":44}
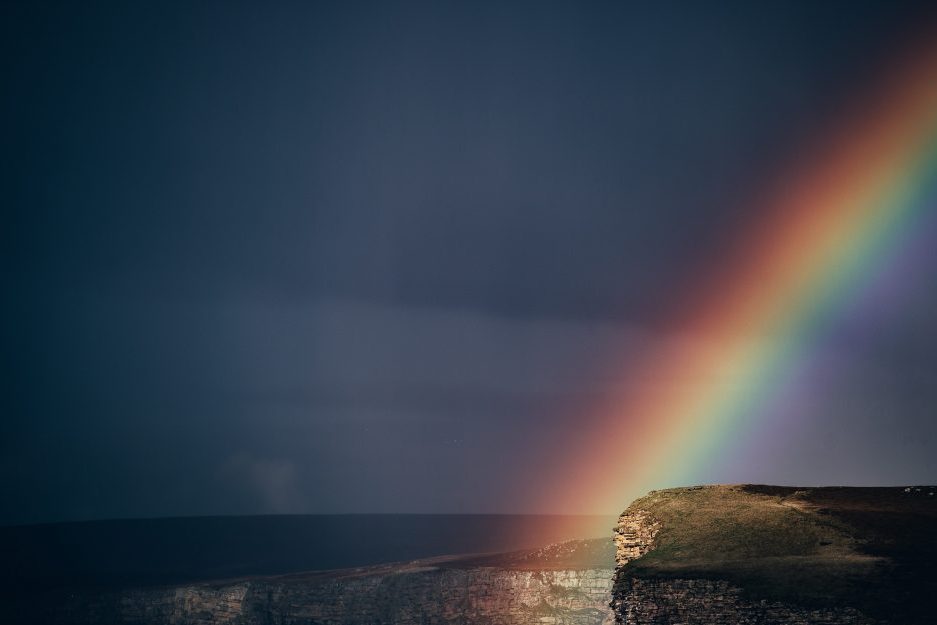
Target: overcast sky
{"x":379,"y":257}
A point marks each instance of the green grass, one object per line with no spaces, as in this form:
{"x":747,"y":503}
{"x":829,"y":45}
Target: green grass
{"x":819,"y":547}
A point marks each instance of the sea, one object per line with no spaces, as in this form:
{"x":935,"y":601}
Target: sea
{"x":143,"y":552}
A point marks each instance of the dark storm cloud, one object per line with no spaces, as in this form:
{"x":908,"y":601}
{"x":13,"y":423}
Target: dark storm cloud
{"x":428,"y":154}
{"x":375,"y":256}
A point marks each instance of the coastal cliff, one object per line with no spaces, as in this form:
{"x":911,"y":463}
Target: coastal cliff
{"x":405,"y":595}
{"x":774,"y":555}
{"x":568,"y":584}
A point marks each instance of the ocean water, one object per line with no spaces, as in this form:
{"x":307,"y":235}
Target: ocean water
{"x":164,"y":551}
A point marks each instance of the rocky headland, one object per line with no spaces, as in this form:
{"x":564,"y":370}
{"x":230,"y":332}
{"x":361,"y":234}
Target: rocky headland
{"x":748,"y":554}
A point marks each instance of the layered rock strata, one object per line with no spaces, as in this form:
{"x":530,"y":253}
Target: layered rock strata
{"x":634,"y":535}
{"x":419,"y":593}
{"x":716,"y":602}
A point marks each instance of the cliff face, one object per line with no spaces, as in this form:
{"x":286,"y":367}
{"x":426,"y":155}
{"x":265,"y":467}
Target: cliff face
{"x":482,"y":595}
{"x":770,"y":555}
{"x":716,"y":602}
{"x":634,"y":535}
{"x":418,"y":593}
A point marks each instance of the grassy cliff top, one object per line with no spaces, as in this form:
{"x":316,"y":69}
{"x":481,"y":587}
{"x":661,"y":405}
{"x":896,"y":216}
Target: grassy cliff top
{"x":841,"y":545}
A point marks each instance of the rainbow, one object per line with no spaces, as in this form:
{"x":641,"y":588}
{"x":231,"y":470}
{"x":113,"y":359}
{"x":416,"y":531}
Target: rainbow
{"x":851,"y":204}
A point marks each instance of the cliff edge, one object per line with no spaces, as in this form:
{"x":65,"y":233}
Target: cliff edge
{"x":767,"y":554}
